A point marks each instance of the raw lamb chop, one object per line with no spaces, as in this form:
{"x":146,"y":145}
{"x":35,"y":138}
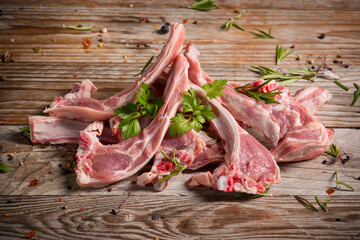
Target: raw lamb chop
{"x":78,"y":105}
{"x":57,"y":130}
{"x":249,"y":167}
{"x":99,"y":165}
{"x":312,"y":98}
{"x":195,"y":149}
{"x":295,"y":133}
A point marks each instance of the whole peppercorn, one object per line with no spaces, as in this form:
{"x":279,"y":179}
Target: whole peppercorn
{"x":164,"y":29}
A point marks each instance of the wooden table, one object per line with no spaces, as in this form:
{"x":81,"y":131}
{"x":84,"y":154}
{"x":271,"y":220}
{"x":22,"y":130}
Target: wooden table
{"x":34,"y":79}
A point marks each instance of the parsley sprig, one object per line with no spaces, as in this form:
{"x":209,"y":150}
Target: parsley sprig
{"x":282,"y":53}
{"x":230,"y":23}
{"x":195,"y":113}
{"x":266,"y":97}
{"x":131,"y":113}
{"x":179,"y":166}
{"x":203,"y":5}
{"x":262,"y":34}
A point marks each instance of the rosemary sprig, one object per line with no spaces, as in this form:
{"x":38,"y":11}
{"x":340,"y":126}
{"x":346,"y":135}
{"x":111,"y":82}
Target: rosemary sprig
{"x":5,"y":168}
{"x":323,"y":206}
{"x":334,"y":151}
{"x":145,"y":67}
{"x":263,"y":34}
{"x":341,"y":85}
{"x":203,"y":5}
{"x":80,"y":28}
{"x":339,"y":184}
{"x":179,"y":166}
{"x":356,"y":94}
{"x":25,"y":131}
{"x":252,"y":196}
{"x":282,"y":53}
{"x":306,"y":203}
{"x":266,"y":97}
{"x":230,"y":23}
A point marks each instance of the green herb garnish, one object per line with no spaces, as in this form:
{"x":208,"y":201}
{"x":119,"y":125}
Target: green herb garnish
{"x":80,"y":28}
{"x":341,"y":85}
{"x":323,"y":206}
{"x":339,"y":184}
{"x":263,"y":34}
{"x":266,"y":97}
{"x":131,"y":113}
{"x":145,"y":67}
{"x":179,"y":166}
{"x":230,"y":23}
{"x":306,"y":203}
{"x":26,"y":131}
{"x":37,"y":49}
{"x":334,"y":151}
{"x":282,"y":53}
{"x":356,"y":94}
{"x":5,"y":168}
{"x":292,"y":76}
{"x":195,"y":113}
{"x":203,"y":5}
{"x":252,"y":196}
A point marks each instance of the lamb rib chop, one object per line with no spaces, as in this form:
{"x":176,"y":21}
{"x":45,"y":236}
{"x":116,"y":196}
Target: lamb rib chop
{"x":78,"y":105}
{"x":295,"y":133}
{"x":195,"y":149}
{"x":99,"y":165}
{"x":312,"y":98}
{"x":249,"y":166}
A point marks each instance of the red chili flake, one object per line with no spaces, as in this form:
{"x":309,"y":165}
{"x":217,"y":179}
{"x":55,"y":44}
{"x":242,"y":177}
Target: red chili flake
{"x":158,"y":49}
{"x":66,"y":201}
{"x":7,"y":214}
{"x":34,"y":183}
{"x":144,"y":20}
{"x":139,"y":13}
{"x":50,"y":172}
{"x":186,"y":20}
{"x":330,"y":191}
{"x":293,"y":46}
{"x":86,"y":43}
{"x":58,"y":200}
{"x":95,"y":31}
{"x":76,"y":20}
{"x":30,"y":234}
{"x":82,"y":208}
{"x":75,"y":75}
{"x":94,"y":206}
{"x":339,"y":56}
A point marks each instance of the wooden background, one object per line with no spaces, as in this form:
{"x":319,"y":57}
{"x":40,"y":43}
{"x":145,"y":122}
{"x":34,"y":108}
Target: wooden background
{"x":34,"y":79}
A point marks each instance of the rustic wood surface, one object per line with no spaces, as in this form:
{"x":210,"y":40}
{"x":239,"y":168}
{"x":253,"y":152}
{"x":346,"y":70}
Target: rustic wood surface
{"x":34,"y":79}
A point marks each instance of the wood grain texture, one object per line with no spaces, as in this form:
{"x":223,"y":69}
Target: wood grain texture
{"x":34,"y":79}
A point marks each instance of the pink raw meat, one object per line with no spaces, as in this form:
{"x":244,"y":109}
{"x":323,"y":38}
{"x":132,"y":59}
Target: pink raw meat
{"x":249,"y":167}
{"x":99,"y":165}
{"x":58,"y":130}
{"x":195,"y":149}
{"x":296,"y":134}
{"x":78,"y":104}
{"x":312,"y":98}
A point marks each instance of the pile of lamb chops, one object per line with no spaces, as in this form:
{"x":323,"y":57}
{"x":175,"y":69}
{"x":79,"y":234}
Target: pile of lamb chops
{"x":245,"y":165}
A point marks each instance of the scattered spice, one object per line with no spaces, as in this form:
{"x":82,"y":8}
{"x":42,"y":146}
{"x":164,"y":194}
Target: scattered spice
{"x":195,"y":22}
{"x":11,"y":156}
{"x":186,"y":20}
{"x":2,"y":78}
{"x":109,"y":189}
{"x":100,"y":45}
{"x":30,"y":234}
{"x":141,"y":45}
{"x":322,"y":36}
{"x":33,"y":183}
{"x":131,"y":5}
{"x":337,"y":154}
{"x":165,"y":28}
{"x":158,"y":49}
{"x":58,"y":200}
{"x":37,"y":49}
{"x":7,"y":214}
{"x":341,"y":63}
{"x":144,"y":20}
{"x":75,"y":76}
{"x":81,"y":208}
{"x":65,"y":207}
{"x":94,"y":31}
{"x":330,"y":191}
{"x":293,"y":46}
{"x":86,"y":43}
{"x":7,"y":57}
{"x":339,"y":56}
{"x":156,"y":27}
{"x":156,"y":217}
{"x":338,"y":220}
